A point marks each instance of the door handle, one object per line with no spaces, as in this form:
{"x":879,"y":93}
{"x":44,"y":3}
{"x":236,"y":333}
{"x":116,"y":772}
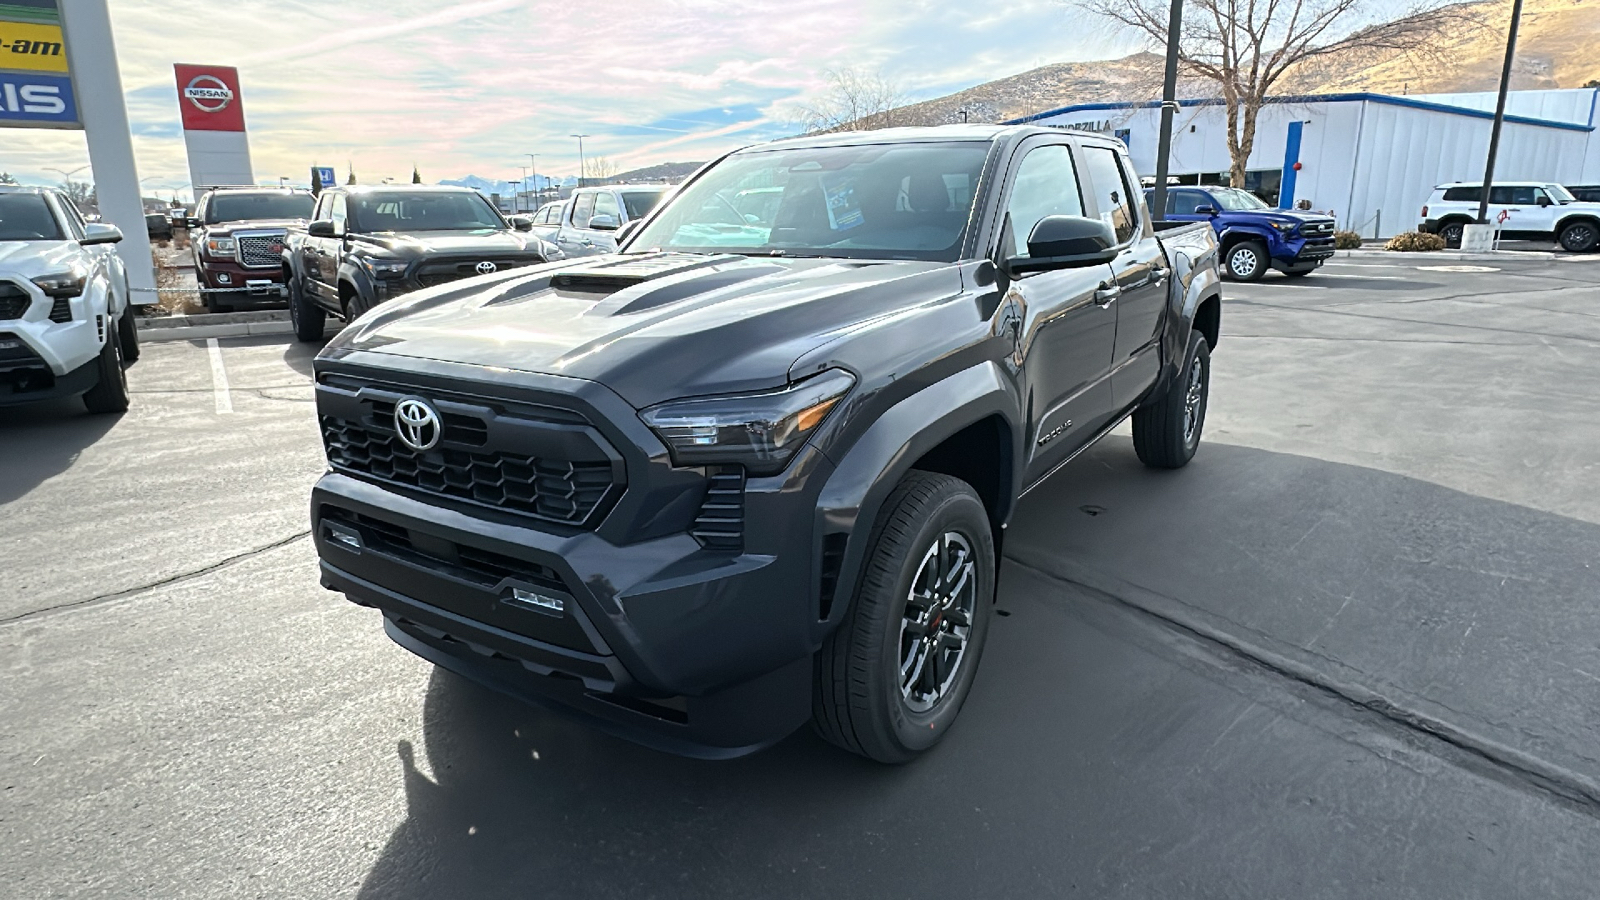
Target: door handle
{"x":1107,"y":293}
{"x":1157,"y":276}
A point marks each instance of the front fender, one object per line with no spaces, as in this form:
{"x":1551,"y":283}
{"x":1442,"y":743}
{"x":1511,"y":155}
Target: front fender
{"x":358,"y":278}
{"x":885,"y":452}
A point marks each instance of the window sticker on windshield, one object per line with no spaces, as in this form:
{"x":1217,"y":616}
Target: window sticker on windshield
{"x":844,"y":210}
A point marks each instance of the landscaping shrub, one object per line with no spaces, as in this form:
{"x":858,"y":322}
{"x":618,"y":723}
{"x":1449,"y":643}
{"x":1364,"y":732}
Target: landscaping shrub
{"x":1346,"y":240}
{"x":1414,"y":241}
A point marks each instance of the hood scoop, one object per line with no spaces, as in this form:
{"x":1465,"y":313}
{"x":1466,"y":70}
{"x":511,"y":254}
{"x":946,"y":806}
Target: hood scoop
{"x":626,"y":272}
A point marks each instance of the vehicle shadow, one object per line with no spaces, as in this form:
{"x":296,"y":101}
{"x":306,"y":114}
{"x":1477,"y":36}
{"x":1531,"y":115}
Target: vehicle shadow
{"x":42,"y":440}
{"x":1077,"y":752}
{"x":299,"y":356}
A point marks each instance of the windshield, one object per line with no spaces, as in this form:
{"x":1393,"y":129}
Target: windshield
{"x":418,"y":211}
{"x":639,"y":203}
{"x":241,"y":207}
{"x":26,"y":217}
{"x":1237,"y":199}
{"x":877,"y":201}
{"x":1562,"y":195}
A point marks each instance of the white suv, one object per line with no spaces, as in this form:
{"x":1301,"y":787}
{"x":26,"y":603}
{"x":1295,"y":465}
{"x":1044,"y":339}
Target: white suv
{"x":65,"y":322}
{"x":1522,"y":210}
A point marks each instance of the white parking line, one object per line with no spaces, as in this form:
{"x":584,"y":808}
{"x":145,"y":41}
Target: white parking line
{"x":1366,"y":265}
{"x":219,"y":377}
{"x":1364,"y":277}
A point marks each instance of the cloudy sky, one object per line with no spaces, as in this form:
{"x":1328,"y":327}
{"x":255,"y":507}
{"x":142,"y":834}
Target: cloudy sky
{"x":464,"y":87}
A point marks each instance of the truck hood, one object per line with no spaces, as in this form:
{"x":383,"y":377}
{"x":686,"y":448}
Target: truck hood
{"x":1299,"y":217}
{"x":30,"y":259}
{"x":652,"y":327}
{"x":222,"y":229}
{"x":438,"y":243}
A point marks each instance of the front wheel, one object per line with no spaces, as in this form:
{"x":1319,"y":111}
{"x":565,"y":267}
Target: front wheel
{"x":308,"y":318}
{"x":1166,"y":430}
{"x":1579,"y":237}
{"x":891,"y":679}
{"x":110,"y":392}
{"x":128,"y":334}
{"x":1247,"y":261}
{"x":1452,"y":232}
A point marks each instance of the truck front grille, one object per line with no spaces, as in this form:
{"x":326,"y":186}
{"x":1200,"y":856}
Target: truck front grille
{"x":14,"y":300}
{"x":261,"y":251}
{"x":1314,"y":229}
{"x":552,"y":489}
{"x":444,"y":271}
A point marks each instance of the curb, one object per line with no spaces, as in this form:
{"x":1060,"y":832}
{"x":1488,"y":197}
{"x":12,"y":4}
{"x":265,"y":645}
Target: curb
{"x":1448,"y":254}
{"x":213,"y":325}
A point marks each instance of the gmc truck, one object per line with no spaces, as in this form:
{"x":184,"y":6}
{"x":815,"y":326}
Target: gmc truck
{"x":365,"y":245}
{"x":237,"y":237}
{"x":1254,"y":236}
{"x":742,"y":474}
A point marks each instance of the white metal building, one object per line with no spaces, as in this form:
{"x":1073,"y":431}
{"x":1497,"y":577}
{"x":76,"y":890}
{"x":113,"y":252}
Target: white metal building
{"x":1370,"y":159}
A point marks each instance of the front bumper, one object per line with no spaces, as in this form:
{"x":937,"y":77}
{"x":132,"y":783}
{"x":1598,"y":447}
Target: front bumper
{"x":672,"y":641}
{"x":26,"y":377}
{"x":227,"y":274}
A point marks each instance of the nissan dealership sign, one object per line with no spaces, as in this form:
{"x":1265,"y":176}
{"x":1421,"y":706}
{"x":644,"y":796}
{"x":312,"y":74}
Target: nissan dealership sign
{"x":213,"y":126}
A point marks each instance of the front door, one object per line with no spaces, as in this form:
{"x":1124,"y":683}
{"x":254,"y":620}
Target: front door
{"x":1140,"y":275}
{"x":573,"y":238}
{"x":1067,"y":329}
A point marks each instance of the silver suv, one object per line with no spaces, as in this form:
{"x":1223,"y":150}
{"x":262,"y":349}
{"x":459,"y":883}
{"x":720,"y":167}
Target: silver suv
{"x":590,"y":220}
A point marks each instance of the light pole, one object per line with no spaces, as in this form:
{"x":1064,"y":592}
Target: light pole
{"x":65,"y":175}
{"x":533,"y":166}
{"x":1499,"y":115}
{"x":1169,"y":105}
{"x":581,"y":171}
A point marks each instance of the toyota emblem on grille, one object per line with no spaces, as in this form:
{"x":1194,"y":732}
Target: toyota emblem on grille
{"x":417,"y":423}
{"x":486,"y":267}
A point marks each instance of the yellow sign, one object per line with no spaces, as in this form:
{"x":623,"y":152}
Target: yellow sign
{"x":32,"y":48}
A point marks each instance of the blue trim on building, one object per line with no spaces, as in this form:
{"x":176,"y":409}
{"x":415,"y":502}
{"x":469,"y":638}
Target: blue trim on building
{"x":1321,"y":98}
{"x":1291,"y":155}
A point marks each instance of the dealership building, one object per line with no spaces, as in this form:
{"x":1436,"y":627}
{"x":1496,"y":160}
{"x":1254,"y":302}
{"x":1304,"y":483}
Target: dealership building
{"x":1370,"y":159}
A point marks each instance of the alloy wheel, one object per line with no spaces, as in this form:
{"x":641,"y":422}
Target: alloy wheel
{"x":1192,"y":399}
{"x":937,"y":622}
{"x":1243,"y":262}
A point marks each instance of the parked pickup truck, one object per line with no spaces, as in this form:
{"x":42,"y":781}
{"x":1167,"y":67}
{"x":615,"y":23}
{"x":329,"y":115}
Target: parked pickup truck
{"x":739,"y":476}
{"x":1254,"y":236}
{"x":237,"y":236}
{"x":365,"y":245}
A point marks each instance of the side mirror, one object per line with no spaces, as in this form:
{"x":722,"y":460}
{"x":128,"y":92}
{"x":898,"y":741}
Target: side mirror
{"x":1205,"y":210}
{"x":1066,"y":242}
{"x":95,"y":233}
{"x":321,"y":228}
{"x":627,"y":229}
{"x":521,"y":223}
{"x":1544,"y":201}
{"x":603,"y":222}
{"x":191,"y":222}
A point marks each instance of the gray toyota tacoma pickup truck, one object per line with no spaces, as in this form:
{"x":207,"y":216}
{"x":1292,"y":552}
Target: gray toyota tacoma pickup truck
{"x":755,"y":469}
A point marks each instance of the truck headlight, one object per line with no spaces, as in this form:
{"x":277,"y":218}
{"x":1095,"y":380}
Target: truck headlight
{"x":759,"y":431}
{"x":383,"y":268}
{"x":1285,"y":227}
{"x":62,"y":284}
{"x":220,"y":246}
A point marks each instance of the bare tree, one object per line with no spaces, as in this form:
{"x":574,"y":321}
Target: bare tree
{"x":1246,"y":48}
{"x":6,"y":178}
{"x":598,"y":168}
{"x":854,"y":101}
{"x":82,"y":194}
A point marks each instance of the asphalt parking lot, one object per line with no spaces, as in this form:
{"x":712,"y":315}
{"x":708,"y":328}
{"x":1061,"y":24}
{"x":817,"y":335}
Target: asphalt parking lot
{"x":1353,"y":650}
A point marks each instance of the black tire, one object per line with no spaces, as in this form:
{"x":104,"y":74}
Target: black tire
{"x":110,"y":393}
{"x":1579,"y":237}
{"x":215,"y":303}
{"x":128,"y":334}
{"x":861,"y":702}
{"x":1247,"y":261}
{"x":1451,"y":232}
{"x":308,"y":318}
{"x":356,"y":305}
{"x":1162,"y":432}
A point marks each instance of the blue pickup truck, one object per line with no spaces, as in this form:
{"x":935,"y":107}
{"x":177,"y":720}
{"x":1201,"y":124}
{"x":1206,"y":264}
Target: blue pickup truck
{"x":1254,"y":236}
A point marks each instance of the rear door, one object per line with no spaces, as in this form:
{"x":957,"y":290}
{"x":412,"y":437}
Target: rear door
{"x":1067,"y":334}
{"x":1139,"y":273}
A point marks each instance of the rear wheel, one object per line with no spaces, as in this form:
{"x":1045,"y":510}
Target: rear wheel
{"x":892,"y":678}
{"x":1579,"y":237}
{"x":307,"y":317}
{"x":1166,"y":430}
{"x":1451,"y":232}
{"x":1247,"y":261}
{"x":110,"y":393}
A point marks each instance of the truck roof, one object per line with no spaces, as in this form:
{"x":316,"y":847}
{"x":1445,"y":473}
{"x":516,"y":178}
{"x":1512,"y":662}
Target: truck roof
{"x":929,"y":133}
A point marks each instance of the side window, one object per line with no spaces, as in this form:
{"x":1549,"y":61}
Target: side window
{"x":1046,"y":185}
{"x":1187,"y":203}
{"x":582,"y":209}
{"x":1539,"y":196}
{"x":1502,"y":195}
{"x":1522,"y":196}
{"x":338,"y":213}
{"x":324,"y":205}
{"x":1463,"y":194}
{"x":605,"y":204}
{"x":1111,"y":191}
{"x":74,"y":219}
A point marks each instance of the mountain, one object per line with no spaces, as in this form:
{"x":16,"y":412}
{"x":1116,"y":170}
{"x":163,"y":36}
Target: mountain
{"x":1558,"y":45}
{"x":671,"y":172}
